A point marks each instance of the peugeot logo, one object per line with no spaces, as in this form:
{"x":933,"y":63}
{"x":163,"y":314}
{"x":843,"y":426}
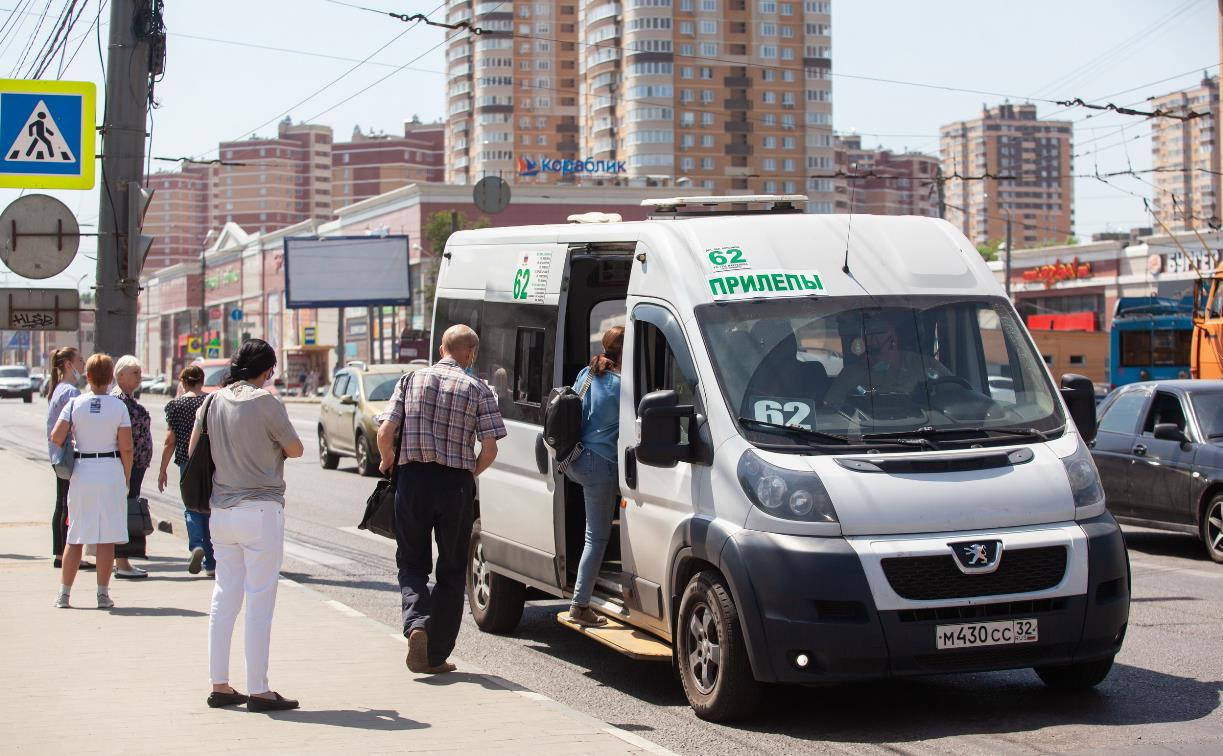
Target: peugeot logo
{"x":975,"y":557}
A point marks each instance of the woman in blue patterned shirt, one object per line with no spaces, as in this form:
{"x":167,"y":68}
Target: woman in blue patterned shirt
{"x":127,"y":380}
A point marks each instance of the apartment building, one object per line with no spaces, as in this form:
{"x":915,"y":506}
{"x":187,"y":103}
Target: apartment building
{"x":373,"y":164}
{"x":725,"y":95}
{"x":892,"y":184}
{"x":1009,"y":141}
{"x":512,"y":90}
{"x":1186,"y":183}
{"x":178,"y":215}
{"x":265,"y":184}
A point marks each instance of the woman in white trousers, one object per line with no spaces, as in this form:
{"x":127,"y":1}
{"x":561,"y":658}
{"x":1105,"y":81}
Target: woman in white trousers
{"x":250,"y":436}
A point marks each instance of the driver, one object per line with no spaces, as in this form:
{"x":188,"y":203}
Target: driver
{"x":888,"y":362}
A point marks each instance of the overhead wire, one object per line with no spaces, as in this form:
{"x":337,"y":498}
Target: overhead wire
{"x":325,"y":87}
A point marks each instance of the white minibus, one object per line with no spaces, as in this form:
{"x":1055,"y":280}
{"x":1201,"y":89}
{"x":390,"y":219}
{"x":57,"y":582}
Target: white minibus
{"x":819,"y":479}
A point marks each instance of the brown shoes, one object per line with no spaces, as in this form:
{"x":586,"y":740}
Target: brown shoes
{"x":418,"y":651}
{"x":586,"y":617}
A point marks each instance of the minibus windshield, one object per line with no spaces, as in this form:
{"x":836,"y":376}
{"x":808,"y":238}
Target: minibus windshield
{"x":944,"y":371}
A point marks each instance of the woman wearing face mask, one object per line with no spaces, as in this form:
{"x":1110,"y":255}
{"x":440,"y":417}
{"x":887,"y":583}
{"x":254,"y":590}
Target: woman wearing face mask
{"x":594,"y":469}
{"x":67,"y":367}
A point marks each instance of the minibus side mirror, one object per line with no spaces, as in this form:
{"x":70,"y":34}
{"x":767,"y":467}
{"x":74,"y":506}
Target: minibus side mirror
{"x":1170,"y":432}
{"x":1080,"y":396}
{"x":661,"y":415}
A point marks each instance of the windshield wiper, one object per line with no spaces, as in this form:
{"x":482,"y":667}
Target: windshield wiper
{"x":797,"y":430}
{"x":929,"y":430}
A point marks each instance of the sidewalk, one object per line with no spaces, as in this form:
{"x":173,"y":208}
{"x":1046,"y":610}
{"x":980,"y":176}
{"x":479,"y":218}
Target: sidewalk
{"x":133,"y":680}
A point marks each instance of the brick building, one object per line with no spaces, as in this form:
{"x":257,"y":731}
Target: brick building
{"x":372,"y":164}
{"x":1183,"y":156}
{"x":1009,"y":140}
{"x":901,"y":184}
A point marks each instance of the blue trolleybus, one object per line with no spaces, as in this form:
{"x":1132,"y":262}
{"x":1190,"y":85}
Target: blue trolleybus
{"x":1150,"y":339}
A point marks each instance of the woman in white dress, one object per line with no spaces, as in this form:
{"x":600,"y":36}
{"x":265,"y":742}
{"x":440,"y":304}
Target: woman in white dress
{"x":101,"y":430}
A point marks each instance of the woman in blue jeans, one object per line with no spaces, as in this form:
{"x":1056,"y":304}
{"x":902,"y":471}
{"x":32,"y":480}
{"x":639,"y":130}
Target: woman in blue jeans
{"x":180,"y":421}
{"x":594,"y":468}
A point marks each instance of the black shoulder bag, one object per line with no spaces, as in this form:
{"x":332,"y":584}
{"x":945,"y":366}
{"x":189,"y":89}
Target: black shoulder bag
{"x":379,"y":514}
{"x":196,"y":484}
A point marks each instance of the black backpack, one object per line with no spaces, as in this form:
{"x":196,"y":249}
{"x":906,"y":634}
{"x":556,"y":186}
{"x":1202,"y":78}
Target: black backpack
{"x":563,"y":421}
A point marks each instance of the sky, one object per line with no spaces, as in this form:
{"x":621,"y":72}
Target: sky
{"x":237,"y":67}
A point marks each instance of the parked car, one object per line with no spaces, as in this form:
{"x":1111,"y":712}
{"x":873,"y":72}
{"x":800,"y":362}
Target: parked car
{"x":160,"y":385}
{"x":39,"y":378}
{"x":346,"y":421}
{"x":15,"y":381}
{"x":215,"y":372}
{"x":146,"y":383}
{"x":1158,"y":451}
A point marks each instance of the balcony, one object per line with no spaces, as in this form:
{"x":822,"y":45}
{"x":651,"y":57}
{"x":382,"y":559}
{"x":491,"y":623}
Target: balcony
{"x":737,"y":103}
{"x":738,"y":127}
{"x":737,"y":82}
{"x":738,"y":149}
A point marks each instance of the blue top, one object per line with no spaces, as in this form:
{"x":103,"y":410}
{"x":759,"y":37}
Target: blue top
{"x":600,"y":413}
{"x":64,"y":391}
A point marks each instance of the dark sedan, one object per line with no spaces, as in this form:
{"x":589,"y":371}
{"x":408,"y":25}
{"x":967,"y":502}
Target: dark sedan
{"x":1159,"y":449}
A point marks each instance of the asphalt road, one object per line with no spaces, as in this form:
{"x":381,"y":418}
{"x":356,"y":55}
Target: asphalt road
{"x":1162,"y":695}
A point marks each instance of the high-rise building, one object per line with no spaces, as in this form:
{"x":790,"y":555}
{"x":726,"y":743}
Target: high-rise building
{"x":177,"y":217}
{"x":892,"y":184}
{"x":373,"y":164}
{"x":1183,"y":156}
{"x":1038,"y":195}
{"x":512,"y":89}
{"x":726,"y":95}
{"x":265,"y":184}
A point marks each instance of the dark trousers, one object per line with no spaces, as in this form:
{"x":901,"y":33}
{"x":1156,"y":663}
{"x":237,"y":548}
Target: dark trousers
{"x":59,"y":518}
{"x":438,"y":501}
{"x":135,"y":546}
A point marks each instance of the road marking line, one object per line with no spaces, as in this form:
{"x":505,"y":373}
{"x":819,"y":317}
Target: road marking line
{"x":314,"y":556}
{"x":354,"y":530}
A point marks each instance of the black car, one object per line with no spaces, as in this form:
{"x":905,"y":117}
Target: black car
{"x":1159,"y":449}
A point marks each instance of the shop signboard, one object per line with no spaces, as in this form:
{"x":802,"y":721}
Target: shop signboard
{"x":1058,"y":271}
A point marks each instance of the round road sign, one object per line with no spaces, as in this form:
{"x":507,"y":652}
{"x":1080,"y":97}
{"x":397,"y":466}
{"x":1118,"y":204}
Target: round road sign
{"x":39,"y":236}
{"x":491,"y":195}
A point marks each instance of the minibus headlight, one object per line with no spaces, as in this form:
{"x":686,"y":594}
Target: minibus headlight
{"x":1084,"y":480}
{"x":788,"y":494}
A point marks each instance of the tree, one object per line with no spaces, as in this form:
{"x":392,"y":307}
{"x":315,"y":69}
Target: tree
{"x":989,"y":250}
{"x":436,"y":232}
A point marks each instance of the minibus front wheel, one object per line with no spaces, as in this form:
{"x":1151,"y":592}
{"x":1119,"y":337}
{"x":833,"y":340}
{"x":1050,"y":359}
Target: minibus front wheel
{"x":711,"y":654}
{"x":496,"y":601}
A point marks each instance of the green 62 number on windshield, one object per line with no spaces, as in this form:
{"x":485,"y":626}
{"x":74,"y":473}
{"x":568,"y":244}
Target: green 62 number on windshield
{"x":521,"y":280}
{"x":727,"y":256}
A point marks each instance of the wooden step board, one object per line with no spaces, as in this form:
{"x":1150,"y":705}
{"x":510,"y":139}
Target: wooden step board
{"x":633,"y":643}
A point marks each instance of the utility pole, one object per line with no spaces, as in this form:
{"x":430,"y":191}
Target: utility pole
{"x":137,"y":42}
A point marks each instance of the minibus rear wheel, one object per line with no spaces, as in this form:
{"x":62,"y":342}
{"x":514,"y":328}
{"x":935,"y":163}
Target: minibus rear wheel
{"x":712,"y":656}
{"x":496,"y":601}
{"x":1080,"y":676}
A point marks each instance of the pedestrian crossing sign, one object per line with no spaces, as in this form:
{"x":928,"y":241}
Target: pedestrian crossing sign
{"x":47,"y":134}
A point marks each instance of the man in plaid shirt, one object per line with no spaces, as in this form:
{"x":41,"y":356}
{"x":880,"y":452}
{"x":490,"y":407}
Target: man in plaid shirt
{"x":444,"y":411}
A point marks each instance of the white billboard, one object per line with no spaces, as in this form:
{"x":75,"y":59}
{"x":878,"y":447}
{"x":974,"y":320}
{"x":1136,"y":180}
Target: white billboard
{"x":346,"y":271}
